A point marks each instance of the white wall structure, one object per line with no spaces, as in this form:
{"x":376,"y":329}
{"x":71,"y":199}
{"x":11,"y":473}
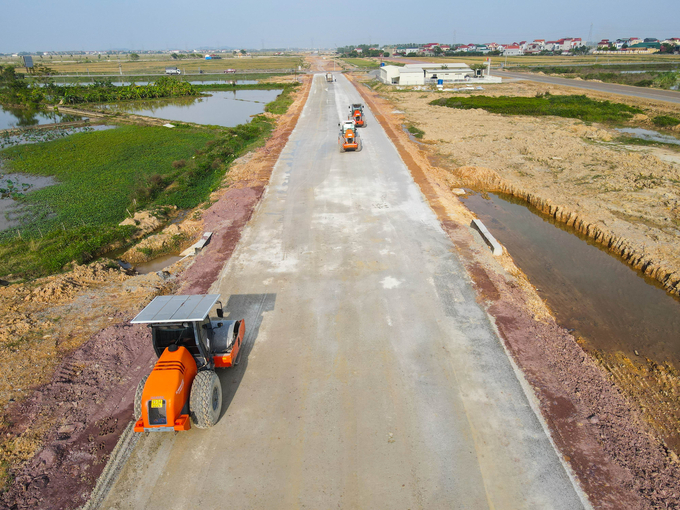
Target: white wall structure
{"x":389,"y":75}
{"x":420,"y":74}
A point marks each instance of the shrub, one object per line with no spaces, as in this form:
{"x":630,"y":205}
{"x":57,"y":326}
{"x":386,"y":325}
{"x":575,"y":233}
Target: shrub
{"x":665,"y":121}
{"x":576,"y":107}
{"x":180,"y":163}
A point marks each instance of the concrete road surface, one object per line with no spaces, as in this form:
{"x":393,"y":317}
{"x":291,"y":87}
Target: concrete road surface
{"x":670,"y":96}
{"x":371,"y":378}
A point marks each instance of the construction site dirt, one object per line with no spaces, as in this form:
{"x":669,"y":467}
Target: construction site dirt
{"x":599,"y":418}
{"x":58,"y":430}
{"x":72,"y":360}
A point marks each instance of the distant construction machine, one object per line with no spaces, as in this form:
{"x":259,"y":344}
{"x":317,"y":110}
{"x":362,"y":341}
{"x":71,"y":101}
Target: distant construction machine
{"x":357,"y":114}
{"x":349,"y":139}
{"x":183,"y":387}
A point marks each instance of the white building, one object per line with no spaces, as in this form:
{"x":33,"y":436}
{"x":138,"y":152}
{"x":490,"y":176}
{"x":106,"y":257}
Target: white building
{"x":421,"y":74}
{"x":513,"y":49}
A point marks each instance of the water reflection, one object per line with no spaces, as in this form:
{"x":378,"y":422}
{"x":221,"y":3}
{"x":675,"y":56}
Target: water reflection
{"x":226,"y":109}
{"x":614,"y":307}
{"x":26,"y":117}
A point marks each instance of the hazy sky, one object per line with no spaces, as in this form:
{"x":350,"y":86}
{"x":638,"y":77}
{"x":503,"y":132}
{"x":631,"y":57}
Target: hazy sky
{"x":34,"y":25}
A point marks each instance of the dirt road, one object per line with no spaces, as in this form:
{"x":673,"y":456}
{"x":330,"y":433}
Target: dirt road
{"x":371,"y":377}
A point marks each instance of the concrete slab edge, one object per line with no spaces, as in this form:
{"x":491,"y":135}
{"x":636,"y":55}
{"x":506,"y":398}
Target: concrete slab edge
{"x":117,"y":460}
{"x":536,"y":408}
{"x":496,"y":248}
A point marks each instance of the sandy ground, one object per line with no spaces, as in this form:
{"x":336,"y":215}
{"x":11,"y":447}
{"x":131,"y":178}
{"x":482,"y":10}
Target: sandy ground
{"x":618,"y":455}
{"x":626,"y":197}
{"x":71,"y":360}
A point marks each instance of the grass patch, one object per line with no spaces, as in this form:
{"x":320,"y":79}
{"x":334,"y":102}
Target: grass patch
{"x":575,"y":107}
{"x":665,"y":121}
{"x":418,"y":133}
{"x":361,"y":62}
{"x":102,"y":176}
{"x":283,"y":101}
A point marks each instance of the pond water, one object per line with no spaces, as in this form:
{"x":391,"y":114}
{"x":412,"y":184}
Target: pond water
{"x":648,"y":134}
{"x":13,"y":186}
{"x":226,"y":109}
{"x":23,"y":117}
{"x":613,"y":307}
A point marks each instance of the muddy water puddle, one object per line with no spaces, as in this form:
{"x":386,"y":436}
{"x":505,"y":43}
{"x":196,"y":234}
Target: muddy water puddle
{"x":157,"y":264}
{"x":648,"y":134}
{"x":611,"y":306}
{"x":226,"y":109}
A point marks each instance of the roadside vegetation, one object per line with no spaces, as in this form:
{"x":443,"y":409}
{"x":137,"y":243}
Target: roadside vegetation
{"x":104,"y":176}
{"x":280,"y":105}
{"x":573,"y":106}
{"x":416,"y":132}
{"x":665,"y":121}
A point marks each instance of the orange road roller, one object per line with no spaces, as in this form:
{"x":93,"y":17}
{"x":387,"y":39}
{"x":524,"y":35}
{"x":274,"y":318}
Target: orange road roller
{"x":357,"y":114}
{"x":348,"y":139}
{"x":183,"y":387}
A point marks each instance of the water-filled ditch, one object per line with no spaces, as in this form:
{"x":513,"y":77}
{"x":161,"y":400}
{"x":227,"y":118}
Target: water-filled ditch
{"x":611,"y":306}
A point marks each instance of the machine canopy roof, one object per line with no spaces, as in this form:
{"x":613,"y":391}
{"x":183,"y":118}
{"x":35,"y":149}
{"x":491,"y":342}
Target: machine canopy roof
{"x":176,"y":309}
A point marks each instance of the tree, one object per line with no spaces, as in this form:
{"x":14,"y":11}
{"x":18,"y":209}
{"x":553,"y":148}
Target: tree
{"x":134,"y":56}
{"x":175,"y":56}
{"x":438,"y":51}
{"x":243,"y":52}
{"x":667,"y":48}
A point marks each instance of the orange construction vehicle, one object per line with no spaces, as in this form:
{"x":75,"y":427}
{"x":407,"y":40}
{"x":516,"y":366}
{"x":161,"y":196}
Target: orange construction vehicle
{"x":357,"y":114}
{"x":183,"y":387}
{"x":348,"y":139}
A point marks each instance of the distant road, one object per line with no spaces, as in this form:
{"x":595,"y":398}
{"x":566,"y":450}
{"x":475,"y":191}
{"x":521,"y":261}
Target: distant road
{"x":669,"y":96}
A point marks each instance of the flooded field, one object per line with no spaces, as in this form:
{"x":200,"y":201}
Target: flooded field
{"x":22,"y":117}
{"x":13,"y":186}
{"x":226,"y":109}
{"x":611,"y":306}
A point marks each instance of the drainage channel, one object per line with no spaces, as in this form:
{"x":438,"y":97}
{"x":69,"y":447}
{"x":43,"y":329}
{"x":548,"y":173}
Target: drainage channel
{"x":611,"y":306}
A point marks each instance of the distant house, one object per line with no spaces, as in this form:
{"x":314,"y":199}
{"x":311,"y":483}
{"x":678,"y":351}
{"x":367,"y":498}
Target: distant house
{"x":533,"y":47}
{"x":512,"y":50}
